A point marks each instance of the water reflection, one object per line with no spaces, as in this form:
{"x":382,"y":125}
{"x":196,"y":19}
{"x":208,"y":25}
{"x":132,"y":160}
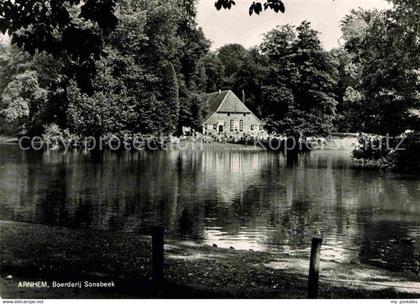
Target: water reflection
{"x":248,"y":200}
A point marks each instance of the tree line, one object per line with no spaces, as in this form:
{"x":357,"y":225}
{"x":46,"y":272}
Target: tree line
{"x":97,"y":68}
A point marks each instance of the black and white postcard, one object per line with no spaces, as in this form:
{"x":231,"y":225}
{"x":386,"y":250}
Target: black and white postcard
{"x":209,"y":149}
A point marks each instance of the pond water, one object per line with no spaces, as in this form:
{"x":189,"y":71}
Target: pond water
{"x":248,"y":200}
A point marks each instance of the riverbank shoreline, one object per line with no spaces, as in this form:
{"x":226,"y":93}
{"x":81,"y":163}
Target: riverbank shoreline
{"x":37,"y":252}
{"x":4,"y":140}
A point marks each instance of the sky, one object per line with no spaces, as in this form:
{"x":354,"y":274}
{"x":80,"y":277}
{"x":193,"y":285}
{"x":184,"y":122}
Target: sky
{"x":236,"y":26}
{"x":3,"y":39}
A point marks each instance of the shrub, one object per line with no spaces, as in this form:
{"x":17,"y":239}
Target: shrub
{"x":398,"y":153}
{"x":56,"y":138}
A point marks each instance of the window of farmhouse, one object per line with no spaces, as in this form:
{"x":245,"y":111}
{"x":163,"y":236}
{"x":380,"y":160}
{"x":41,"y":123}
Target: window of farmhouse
{"x":241,"y":125}
{"x":231,"y":124}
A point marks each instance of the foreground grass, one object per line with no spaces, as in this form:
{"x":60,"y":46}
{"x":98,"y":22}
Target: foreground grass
{"x":36,"y":252}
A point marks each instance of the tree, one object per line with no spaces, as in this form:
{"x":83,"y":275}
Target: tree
{"x":277,"y":43}
{"x":55,"y":26}
{"x":314,"y":92}
{"x":232,"y":57}
{"x":147,"y":81}
{"x":212,"y":73}
{"x":195,"y":73}
{"x":48,"y":77}
{"x":170,"y":89}
{"x":249,"y":78}
{"x":299,"y":90}
{"x":348,"y":92}
{"x":22,"y":99}
{"x":60,"y":40}
{"x":135,"y":89}
{"x":255,"y":7}
{"x":383,"y":51}
{"x":192,"y":109}
{"x":69,"y":30}
{"x":195,"y":46}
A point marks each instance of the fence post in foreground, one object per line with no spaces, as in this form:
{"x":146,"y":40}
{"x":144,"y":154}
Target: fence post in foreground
{"x":314,"y":267}
{"x":157,"y":254}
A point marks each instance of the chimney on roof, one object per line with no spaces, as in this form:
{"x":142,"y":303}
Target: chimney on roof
{"x":243,"y":96}
{"x":220,"y":92}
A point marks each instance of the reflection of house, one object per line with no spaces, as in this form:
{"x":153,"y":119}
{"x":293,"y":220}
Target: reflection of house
{"x":229,"y":116}
{"x":232,"y":173}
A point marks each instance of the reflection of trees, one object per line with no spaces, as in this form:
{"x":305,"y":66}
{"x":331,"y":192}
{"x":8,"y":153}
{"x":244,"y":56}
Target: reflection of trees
{"x":17,"y":184}
{"x":248,"y":209}
{"x":303,"y":210}
{"x":51,"y":209}
{"x":389,"y":219}
{"x":291,"y":226}
{"x":117,"y":193}
{"x":127,"y":192}
{"x":385,"y":243}
{"x":230,"y":190}
{"x":191,"y":191}
{"x":329,"y":201}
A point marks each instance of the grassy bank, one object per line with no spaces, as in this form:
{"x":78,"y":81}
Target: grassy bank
{"x":36,"y":252}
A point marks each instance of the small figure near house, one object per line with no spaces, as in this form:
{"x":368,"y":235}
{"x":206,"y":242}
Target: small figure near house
{"x":187,"y":131}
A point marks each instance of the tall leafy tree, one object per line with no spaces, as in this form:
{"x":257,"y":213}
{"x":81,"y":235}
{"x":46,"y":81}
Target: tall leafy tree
{"x":70,"y":30}
{"x":46,"y":73}
{"x":136,"y":87}
{"x":314,"y":91}
{"x":193,"y":66}
{"x":170,"y":93}
{"x":23,"y":99}
{"x":212,"y":68}
{"x":64,"y":39}
{"x":299,"y":91}
{"x":148,"y":81}
{"x":349,"y":96}
{"x":249,"y":80}
{"x":232,"y":57}
{"x":383,"y":50}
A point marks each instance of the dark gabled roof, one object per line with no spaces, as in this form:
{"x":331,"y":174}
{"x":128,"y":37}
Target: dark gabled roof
{"x":232,"y":104}
{"x":214,"y":100}
{"x":225,"y":102}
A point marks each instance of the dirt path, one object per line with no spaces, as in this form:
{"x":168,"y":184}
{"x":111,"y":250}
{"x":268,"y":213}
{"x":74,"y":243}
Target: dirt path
{"x":43,"y":253}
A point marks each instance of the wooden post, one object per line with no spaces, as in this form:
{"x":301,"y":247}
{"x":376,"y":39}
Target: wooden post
{"x":157,"y":254}
{"x":314,"y":268}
